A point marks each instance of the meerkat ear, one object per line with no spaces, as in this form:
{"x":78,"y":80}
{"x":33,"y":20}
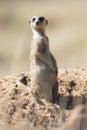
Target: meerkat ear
{"x":46,"y":22}
{"x":29,"y":21}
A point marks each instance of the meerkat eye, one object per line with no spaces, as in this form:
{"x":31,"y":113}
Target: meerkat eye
{"x":33,"y":19}
{"x":41,"y":19}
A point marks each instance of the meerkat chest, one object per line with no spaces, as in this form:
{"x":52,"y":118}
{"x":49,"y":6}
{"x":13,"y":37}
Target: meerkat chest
{"x":40,"y":51}
{"x":40,"y":40}
{"x":40,"y":44}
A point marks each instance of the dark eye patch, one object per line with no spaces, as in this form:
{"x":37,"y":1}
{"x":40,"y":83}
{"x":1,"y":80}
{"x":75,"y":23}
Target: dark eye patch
{"x":41,"y":19}
{"x":33,"y":19}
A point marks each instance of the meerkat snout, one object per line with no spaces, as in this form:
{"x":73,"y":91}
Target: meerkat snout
{"x":38,"y":22}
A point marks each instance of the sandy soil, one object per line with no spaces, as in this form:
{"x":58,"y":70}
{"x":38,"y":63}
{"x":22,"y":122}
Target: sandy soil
{"x":18,"y":104}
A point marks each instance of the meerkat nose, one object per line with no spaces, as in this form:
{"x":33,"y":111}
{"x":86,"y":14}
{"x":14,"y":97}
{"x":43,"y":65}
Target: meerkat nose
{"x":37,"y":22}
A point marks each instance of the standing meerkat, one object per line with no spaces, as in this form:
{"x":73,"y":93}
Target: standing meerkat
{"x":43,"y":66}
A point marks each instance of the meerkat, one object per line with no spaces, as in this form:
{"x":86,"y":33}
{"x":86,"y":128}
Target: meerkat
{"x":43,"y":66}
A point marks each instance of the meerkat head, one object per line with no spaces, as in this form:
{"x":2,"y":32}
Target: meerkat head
{"x":38,"y":22}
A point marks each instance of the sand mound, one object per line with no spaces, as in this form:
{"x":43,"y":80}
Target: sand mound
{"x":20,"y":106}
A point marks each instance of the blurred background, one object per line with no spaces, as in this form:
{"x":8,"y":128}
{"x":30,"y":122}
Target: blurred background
{"x":67,"y":32}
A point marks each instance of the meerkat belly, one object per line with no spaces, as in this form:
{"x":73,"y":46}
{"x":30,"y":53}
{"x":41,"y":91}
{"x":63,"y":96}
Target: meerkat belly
{"x":41,"y":72}
{"x":43,"y":79}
